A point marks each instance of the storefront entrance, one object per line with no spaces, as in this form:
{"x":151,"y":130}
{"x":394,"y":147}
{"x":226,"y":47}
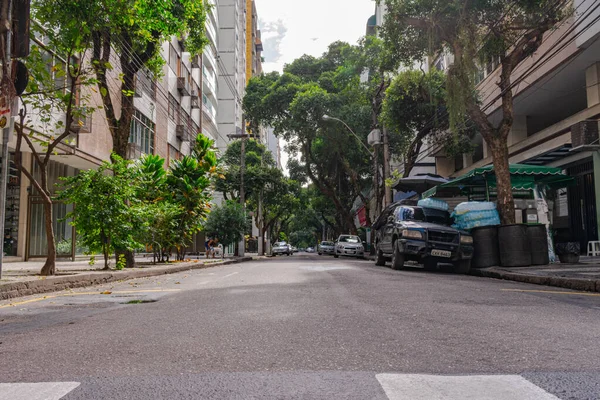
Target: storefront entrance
{"x":582,"y":205}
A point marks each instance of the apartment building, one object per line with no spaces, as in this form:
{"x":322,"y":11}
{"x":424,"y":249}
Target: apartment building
{"x":167,"y":116}
{"x":557,"y":112}
{"x":210,"y":72}
{"x":231,"y":63}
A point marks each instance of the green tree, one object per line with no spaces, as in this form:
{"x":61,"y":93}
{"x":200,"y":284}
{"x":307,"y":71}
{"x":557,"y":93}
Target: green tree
{"x":131,"y":31}
{"x":326,"y":153}
{"x":107,"y":215}
{"x":188,"y":187}
{"x":226,"y":222}
{"x":413,"y":109}
{"x":475,"y":32}
{"x":52,"y":90}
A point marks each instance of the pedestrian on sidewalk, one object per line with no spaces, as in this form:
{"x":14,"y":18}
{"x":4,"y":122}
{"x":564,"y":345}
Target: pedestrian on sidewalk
{"x":210,"y":249}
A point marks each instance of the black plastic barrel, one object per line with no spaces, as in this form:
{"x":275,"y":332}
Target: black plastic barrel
{"x":513,"y":243}
{"x":485,"y":246}
{"x":538,"y":242}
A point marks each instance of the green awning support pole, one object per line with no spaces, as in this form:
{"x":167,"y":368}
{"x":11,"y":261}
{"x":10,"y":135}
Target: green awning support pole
{"x":487,"y":190}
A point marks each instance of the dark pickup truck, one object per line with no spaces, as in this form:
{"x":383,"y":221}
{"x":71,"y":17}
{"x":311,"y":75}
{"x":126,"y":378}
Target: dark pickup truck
{"x":407,"y":232}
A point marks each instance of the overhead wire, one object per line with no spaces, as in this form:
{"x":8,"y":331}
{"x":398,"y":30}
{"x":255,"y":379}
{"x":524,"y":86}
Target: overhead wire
{"x":513,"y":84}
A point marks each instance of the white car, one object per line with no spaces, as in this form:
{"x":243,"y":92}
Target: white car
{"x":349,"y":245}
{"x":281,"y":248}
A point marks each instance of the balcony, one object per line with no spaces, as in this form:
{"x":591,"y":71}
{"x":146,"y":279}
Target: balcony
{"x":208,"y":79}
{"x":183,"y":82}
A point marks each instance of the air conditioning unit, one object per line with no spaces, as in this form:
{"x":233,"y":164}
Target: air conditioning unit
{"x":180,"y":132}
{"x":195,"y":100}
{"x":183,"y":86}
{"x":585,"y":133}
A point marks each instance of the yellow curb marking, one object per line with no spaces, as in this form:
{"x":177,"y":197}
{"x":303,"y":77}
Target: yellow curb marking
{"x":552,"y":292}
{"x":87,"y":294}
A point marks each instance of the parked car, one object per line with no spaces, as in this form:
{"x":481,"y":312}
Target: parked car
{"x":326,"y":247}
{"x":310,"y":249}
{"x":294,"y":249}
{"x":349,"y":245}
{"x":281,"y":248}
{"x":423,"y":235}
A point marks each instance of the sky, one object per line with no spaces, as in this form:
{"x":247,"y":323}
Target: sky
{"x":291,"y":28}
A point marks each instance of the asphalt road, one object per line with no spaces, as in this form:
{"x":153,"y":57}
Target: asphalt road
{"x":303,"y":327}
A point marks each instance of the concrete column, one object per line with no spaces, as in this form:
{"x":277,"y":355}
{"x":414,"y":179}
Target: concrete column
{"x":444,"y":166}
{"x":596,"y":159}
{"x":467,"y":160}
{"x":592,"y":83}
{"x":23,"y":209}
{"x":486,"y":153}
{"x":518,"y":131}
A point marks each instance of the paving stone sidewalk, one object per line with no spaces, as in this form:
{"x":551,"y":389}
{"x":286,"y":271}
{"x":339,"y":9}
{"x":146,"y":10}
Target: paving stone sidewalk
{"x":23,"y":279}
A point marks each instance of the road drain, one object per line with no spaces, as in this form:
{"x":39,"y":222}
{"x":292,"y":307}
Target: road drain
{"x":140,"y":301}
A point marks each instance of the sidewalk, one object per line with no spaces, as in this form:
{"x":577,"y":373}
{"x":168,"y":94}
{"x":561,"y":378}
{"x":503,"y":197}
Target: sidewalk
{"x":23,"y":279}
{"x":584,"y":276}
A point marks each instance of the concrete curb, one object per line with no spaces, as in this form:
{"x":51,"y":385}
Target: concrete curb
{"x":57,"y":283}
{"x":587,"y":285}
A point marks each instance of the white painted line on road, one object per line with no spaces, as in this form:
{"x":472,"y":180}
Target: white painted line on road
{"x":475,"y":387}
{"x":227,"y":276}
{"x":36,"y":391}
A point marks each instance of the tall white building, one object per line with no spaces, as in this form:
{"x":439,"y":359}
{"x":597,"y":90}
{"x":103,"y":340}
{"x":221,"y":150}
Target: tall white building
{"x":231,"y":66}
{"x":210,"y":72}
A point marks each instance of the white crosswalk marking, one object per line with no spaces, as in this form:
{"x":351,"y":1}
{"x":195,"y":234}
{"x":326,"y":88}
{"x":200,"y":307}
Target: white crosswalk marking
{"x":476,"y":387}
{"x":36,"y":391}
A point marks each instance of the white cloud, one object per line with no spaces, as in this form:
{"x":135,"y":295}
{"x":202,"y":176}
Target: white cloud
{"x":311,"y":25}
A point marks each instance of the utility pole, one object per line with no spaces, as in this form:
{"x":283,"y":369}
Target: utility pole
{"x":8,"y":103}
{"x":386,"y":168}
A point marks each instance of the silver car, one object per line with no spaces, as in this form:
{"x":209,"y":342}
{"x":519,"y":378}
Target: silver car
{"x":349,"y":245}
{"x":281,"y":248}
{"x":326,"y":248}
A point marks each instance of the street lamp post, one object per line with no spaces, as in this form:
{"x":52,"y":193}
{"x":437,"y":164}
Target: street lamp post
{"x":329,"y":118}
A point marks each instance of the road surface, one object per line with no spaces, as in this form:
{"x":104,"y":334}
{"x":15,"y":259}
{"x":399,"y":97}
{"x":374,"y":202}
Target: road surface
{"x":303,"y":327}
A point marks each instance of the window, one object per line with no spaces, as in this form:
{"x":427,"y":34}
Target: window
{"x":142,"y":133}
{"x":349,"y":239}
{"x":409,"y":214}
{"x":174,"y":154}
{"x":174,"y":59}
{"x":173,"y":108}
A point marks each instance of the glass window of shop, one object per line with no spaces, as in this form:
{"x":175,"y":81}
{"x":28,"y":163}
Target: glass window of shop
{"x":64,"y":233}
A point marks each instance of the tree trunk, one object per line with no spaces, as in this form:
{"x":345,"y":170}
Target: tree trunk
{"x":129,"y":258}
{"x":49,"y":267}
{"x":506,"y":203}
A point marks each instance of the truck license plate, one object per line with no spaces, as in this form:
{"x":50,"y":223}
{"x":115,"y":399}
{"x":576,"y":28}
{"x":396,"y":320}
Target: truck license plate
{"x":441,"y":253}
